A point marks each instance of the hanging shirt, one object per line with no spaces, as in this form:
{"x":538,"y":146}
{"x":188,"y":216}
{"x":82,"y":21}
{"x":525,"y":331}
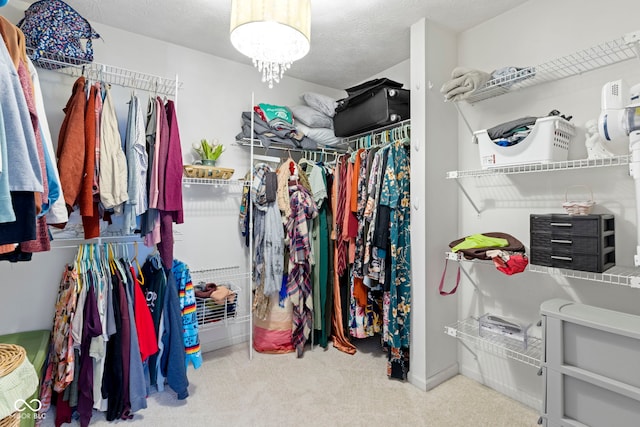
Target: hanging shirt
{"x":57,"y":212}
{"x":173,"y":169}
{"x":24,"y":165}
{"x":6,"y":208}
{"x":141,"y":160}
{"x":129,"y":223}
{"x":113,"y":164}
{"x":71,"y":146}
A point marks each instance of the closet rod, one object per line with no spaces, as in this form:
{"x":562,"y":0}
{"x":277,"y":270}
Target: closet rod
{"x":66,"y":243}
{"x":375,"y":131}
{"x":258,"y":144}
{"x":109,"y":73}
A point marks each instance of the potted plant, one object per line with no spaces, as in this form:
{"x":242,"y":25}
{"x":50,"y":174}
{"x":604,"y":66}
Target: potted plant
{"x":208,"y":152}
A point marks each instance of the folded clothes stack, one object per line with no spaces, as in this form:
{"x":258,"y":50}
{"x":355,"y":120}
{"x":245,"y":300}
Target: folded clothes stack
{"x":315,"y":119}
{"x":465,"y":81}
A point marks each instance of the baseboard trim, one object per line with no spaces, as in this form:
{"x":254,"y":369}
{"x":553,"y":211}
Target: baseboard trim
{"x":435,"y":380}
{"x":532,"y":402}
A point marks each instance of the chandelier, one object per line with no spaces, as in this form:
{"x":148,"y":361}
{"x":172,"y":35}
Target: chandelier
{"x":273,"y":33}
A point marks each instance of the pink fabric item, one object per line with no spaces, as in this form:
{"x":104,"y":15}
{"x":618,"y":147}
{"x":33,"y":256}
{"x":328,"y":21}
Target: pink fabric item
{"x":162,"y":134}
{"x":41,"y":244}
{"x":272,"y":341}
{"x":173,"y":170}
{"x":154,"y":184}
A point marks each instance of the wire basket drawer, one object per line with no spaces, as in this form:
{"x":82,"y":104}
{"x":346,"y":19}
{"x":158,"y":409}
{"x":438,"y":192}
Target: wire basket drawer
{"x":210,"y":312}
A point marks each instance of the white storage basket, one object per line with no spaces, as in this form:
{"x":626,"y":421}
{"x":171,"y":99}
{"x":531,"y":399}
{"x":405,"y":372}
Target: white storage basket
{"x":547,"y":142}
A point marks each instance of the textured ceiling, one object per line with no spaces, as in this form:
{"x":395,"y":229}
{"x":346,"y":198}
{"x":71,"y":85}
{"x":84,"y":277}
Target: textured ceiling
{"x":351,"y":40}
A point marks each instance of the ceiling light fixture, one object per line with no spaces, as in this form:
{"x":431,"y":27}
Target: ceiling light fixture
{"x":273,"y":33}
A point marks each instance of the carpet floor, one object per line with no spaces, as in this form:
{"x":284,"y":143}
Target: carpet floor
{"x":323,"y":388}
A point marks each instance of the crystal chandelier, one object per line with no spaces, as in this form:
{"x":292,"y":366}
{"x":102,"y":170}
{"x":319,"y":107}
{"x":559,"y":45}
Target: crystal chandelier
{"x":273,"y":33}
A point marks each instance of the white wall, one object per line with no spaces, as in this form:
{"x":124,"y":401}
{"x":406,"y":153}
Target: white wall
{"x":400,"y":73}
{"x":434,"y":203}
{"x":534,"y":33}
{"x":215,"y":93}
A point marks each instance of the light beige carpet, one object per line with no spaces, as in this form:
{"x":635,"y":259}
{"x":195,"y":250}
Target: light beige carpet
{"x":324,"y":388}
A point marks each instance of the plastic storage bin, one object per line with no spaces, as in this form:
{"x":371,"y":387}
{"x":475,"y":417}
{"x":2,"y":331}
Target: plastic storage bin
{"x":548,"y":142}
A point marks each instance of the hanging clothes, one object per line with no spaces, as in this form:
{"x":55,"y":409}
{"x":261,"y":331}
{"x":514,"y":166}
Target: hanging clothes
{"x":71,"y":144}
{"x":303,"y":208}
{"x":113,"y":163}
{"x":23,"y":169}
{"x":187,"y":299}
{"x":88,"y":209}
{"x":56,"y":211}
{"x":395,"y":194}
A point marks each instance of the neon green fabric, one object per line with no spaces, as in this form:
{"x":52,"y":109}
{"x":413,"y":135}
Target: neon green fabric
{"x":480,"y":241}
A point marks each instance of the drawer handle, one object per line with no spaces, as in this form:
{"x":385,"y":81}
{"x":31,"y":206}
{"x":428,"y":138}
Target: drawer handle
{"x":561,"y":224}
{"x":563,"y":258}
{"x":568,"y":242}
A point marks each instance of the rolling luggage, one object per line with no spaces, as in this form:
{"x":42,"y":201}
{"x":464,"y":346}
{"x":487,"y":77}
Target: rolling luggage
{"x":381,"y":103}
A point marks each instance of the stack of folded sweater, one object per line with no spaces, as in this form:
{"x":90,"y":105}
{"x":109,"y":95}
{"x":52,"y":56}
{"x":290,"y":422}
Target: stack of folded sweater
{"x":315,"y":119}
{"x":465,"y":81}
{"x":273,"y":124}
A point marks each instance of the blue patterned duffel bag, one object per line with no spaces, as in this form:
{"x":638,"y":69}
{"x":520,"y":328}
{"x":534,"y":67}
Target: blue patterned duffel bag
{"x":53,"y":29}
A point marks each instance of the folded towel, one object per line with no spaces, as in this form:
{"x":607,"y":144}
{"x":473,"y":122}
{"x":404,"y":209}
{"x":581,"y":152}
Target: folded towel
{"x":464,"y":82}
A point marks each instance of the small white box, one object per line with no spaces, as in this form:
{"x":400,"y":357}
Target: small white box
{"x":548,"y":142}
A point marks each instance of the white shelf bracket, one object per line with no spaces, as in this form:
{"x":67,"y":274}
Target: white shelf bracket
{"x":464,"y":192}
{"x":466,"y":122}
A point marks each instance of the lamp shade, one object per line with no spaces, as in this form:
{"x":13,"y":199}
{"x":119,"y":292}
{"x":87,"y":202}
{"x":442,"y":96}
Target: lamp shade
{"x":273,"y":33}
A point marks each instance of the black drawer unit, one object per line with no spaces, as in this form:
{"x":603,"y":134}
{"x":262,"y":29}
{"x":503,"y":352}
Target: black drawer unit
{"x":575,"y":242}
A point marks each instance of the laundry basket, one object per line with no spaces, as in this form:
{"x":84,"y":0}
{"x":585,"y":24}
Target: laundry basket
{"x":11,"y":356}
{"x":578,"y":207}
{"x":547,"y":142}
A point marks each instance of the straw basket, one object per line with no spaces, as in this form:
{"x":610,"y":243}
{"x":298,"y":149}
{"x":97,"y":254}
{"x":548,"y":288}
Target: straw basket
{"x":11,"y":356}
{"x":207,"y":172}
{"x":582,"y":207}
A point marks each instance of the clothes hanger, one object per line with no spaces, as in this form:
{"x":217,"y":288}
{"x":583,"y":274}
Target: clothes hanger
{"x":137,"y":264}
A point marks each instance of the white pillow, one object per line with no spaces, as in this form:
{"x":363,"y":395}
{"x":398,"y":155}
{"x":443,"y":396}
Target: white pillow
{"x":310,"y":117}
{"x":323,"y":136}
{"x":322,"y":103}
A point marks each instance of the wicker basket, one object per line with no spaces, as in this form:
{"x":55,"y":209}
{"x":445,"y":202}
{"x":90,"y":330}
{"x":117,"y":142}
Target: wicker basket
{"x":11,"y":356}
{"x":207,"y":172}
{"x":582,"y":207}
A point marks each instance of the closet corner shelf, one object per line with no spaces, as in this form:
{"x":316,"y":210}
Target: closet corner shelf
{"x":468,"y":332}
{"x":542,"y":167}
{"x":113,"y":75}
{"x":601,"y":55}
{"x":617,"y":275}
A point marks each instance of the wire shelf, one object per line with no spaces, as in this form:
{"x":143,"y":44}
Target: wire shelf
{"x":617,"y":275}
{"x":246,"y":142}
{"x":215,"y":182}
{"x":601,"y":55}
{"x":543,"y":167}
{"x":212,"y":314}
{"x":468,"y":331}
{"x":107,"y":73}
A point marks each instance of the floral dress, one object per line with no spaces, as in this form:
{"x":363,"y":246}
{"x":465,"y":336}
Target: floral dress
{"x":395,"y":194}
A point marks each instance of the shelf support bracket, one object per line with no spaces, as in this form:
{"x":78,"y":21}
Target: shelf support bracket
{"x":475,"y":285}
{"x":466,"y":122}
{"x":475,"y":207}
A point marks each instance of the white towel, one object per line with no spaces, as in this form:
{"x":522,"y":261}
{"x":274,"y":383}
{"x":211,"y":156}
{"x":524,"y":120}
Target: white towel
{"x":464,"y":82}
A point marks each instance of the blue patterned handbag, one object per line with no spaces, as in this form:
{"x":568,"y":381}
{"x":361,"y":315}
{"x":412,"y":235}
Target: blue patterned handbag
{"x":52,"y":29}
